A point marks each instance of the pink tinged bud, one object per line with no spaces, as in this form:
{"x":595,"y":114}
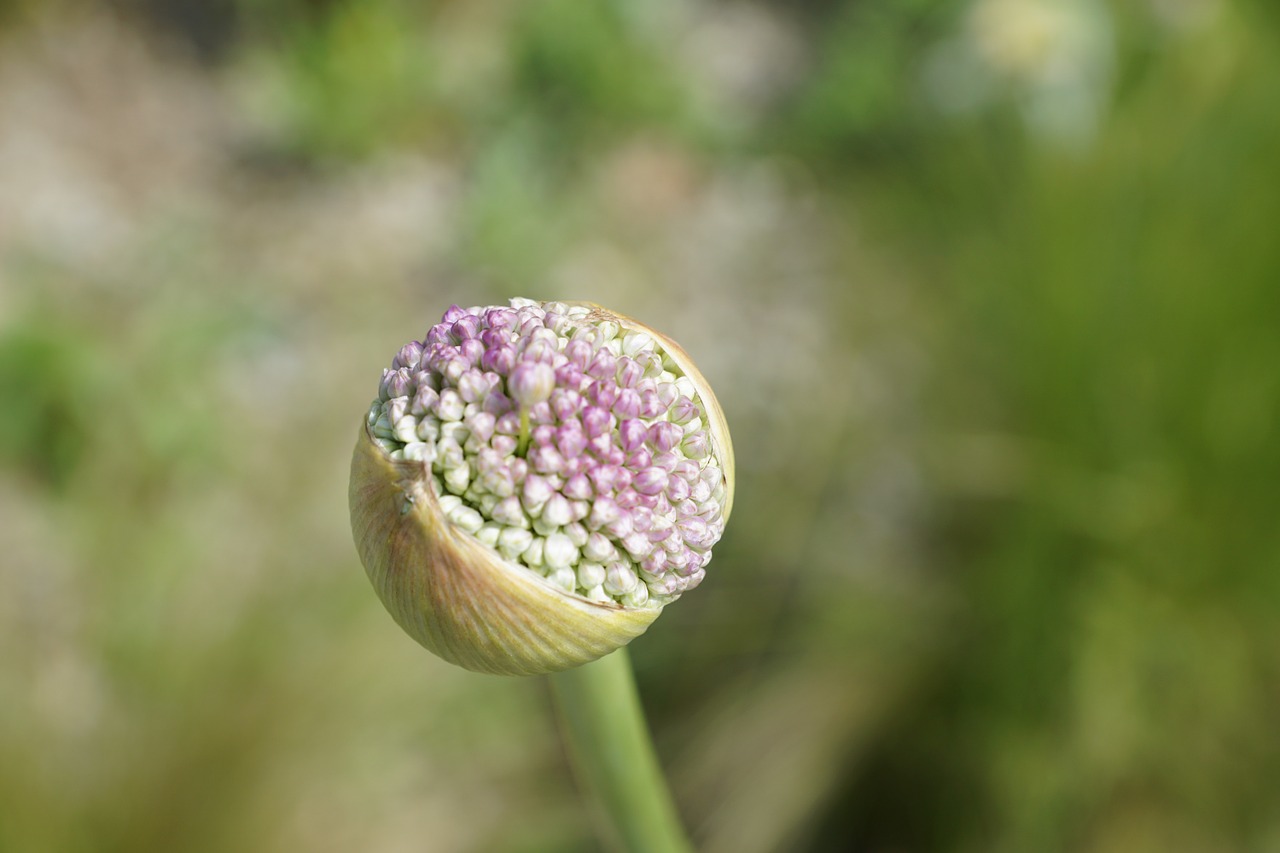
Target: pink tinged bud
{"x":667,"y":461}
{"x":535,"y":493}
{"x":619,"y":579}
{"x":504,"y":444}
{"x":409,"y":356}
{"x":620,"y":527}
{"x":598,"y":548}
{"x":664,"y":436}
{"x":565,"y":403}
{"x":603,"y":393}
{"x":498,"y":404}
{"x":437,"y":335}
{"x":499,"y":359}
{"x":631,"y":434}
{"x":700,"y":491}
{"x":494,"y":338}
{"x":546,"y":460}
{"x":637,"y":545}
{"x":684,"y":410}
{"x":693,"y":531}
{"x":500,"y":318}
{"x":398,"y":383}
{"x":424,"y":400}
{"x":531,"y":383}
{"x":453,"y":368}
{"x":604,"y":478}
{"x":579,"y":353}
{"x":449,"y":406}
{"x":569,"y":375}
{"x":570,"y":441}
{"x":453,"y":315}
{"x":628,"y":404}
{"x":668,"y":584}
{"x":650,"y":405}
{"x":396,"y":408}
{"x":557,"y":511}
{"x":603,"y":364}
{"x":696,"y":446}
{"x":473,"y":386}
{"x":629,"y":372}
{"x":540,"y":413}
{"x":543,"y":435}
{"x":508,"y":511}
{"x":481,"y":426}
{"x":668,"y":393}
{"x":651,"y":481}
{"x":603,"y":513}
{"x":472,"y":350}
{"x":639,"y":460}
{"x":651,"y":363}
{"x":686,"y":509}
{"x":508,"y":424}
{"x":596,"y":421}
{"x":578,"y":488}
{"x":677,"y":490}
{"x":642,"y":519}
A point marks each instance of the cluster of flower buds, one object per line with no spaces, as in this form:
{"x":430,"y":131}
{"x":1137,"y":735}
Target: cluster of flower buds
{"x":569,"y":444}
{"x":542,"y":449}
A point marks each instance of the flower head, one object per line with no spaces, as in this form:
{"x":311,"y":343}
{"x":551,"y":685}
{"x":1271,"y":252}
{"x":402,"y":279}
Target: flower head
{"x":575,"y":452}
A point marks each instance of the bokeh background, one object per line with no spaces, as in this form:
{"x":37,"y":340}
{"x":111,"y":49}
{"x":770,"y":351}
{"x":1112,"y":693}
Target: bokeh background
{"x":990,"y":290}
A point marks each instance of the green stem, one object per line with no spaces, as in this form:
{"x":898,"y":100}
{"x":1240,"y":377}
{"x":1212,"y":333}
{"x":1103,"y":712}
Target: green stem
{"x":522,"y":442}
{"x":609,"y":744}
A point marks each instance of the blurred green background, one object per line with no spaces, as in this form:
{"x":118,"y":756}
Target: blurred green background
{"x":990,"y":290}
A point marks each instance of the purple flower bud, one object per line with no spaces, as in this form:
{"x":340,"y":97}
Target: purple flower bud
{"x":570,"y":441}
{"x":569,"y":375}
{"x":639,"y":459}
{"x":664,"y":436}
{"x":631,"y":434}
{"x":596,"y":421}
{"x":650,"y":406}
{"x":424,"y":401}
{"x":398,"y":383}
{"x":530,"y":383}
{"x":677,"y":490}
{"x":628,"y":404}
{"x":566,"y":403}
{"x":578,"y":487}
{"x":603,"y":393}
{"x":546,"y":460}
{"x":604,"y":478}
{"x":473,"y":386}
{"x":499,"y":359}
{"x":604,"y":512}
{"x":683,"y":410}
{"x":535,"y":493}
{"x":603,"y":365}
{"x":629,"y":372}
{"x":578,"y":352}
{"x":500,"y":318}
{"x":453,"y":315}
{"x":465,"y":328}
{"x":651,"y":481}
{"x":409,"y":356}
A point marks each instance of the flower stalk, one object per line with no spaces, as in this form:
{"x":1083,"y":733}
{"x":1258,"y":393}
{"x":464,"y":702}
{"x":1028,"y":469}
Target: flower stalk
{"x":613,"y":757}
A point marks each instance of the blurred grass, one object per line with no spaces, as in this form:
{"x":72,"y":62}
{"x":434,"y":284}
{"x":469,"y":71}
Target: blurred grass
{"x":994,"y":319}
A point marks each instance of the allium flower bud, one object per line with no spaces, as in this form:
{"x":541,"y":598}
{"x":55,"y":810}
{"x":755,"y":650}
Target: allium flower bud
{"x":534,"y":483}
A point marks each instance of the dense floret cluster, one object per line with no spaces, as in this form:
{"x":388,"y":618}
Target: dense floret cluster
{"x":569,"y":444}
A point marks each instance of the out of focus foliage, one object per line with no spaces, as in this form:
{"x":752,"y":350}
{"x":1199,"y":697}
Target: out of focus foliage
{"x":988,"y":289}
